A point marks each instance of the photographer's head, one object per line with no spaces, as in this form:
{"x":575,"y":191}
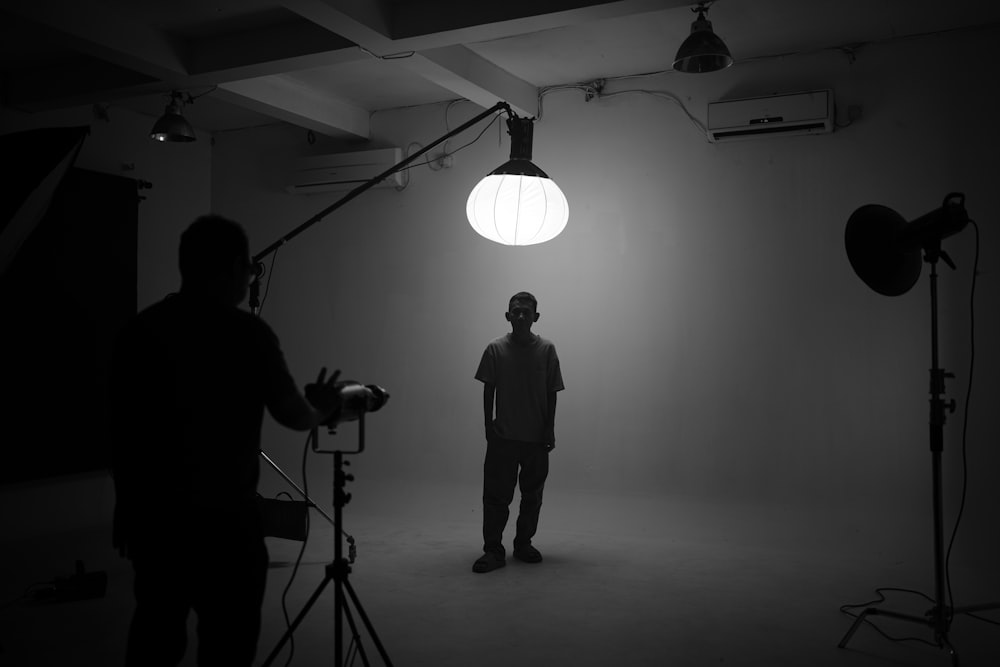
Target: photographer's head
{"x":214,"y":260}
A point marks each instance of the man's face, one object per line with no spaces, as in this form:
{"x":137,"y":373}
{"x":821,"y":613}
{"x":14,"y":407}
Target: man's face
{"x":521,"y":315}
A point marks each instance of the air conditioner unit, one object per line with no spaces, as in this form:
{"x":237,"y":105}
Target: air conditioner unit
{"x":808,"y":112}
{"x":343,"y":171}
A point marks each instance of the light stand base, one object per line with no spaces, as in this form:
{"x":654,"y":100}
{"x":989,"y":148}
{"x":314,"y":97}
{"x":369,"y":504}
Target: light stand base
{"x":338,"y":570}
{"x":940,"y":616}
{"x":936,"y":619}
{"x":337,"y":573}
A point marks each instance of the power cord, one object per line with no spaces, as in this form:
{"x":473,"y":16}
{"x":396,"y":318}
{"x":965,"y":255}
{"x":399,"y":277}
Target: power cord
{"x":594,"y":90}
{"x":298,"y":559}
{"x":965,"y":426}
{"x":965,"y":417}
{"x":445,"y":154}
{"x":881,"y":598}
{"x":267,"y":288}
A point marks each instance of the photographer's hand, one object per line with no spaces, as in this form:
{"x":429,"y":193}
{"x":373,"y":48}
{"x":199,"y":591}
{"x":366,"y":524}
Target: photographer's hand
{"x":324,"y":395}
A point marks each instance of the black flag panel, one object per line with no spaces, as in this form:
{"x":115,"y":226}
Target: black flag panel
{"x":67,"y":284}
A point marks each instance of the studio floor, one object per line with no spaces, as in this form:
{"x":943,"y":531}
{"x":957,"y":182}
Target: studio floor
{"x":625,"y":581}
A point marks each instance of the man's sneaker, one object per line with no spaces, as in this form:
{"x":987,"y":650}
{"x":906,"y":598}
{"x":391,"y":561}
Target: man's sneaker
{"x":488,"y":562}
{"x":528,"y":554}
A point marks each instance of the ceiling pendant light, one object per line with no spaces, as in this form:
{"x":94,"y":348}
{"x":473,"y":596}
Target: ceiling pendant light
{"x":703,"y":51}
{"x":517,"y":203}
{"x":172,"y":126}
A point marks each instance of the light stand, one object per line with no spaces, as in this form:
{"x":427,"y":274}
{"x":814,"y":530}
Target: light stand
{"x":258,"y":265}
{"x":338,"y":570}
{"x":926,"y":232}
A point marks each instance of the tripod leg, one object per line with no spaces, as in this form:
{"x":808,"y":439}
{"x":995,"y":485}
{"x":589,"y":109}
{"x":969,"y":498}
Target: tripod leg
{"x":988,"y":606}
{"x":951,"y":651}
{"x":878,"y":611}
{"x":368,"y":623}
{"x":854,"y":628}
{"x":354,"y":634}
{"x":298,"y":619}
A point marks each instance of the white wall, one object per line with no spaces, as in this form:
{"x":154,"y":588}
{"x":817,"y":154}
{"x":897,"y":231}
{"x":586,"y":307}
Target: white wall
{"x":714,"y":338}
{"x":713,"y":335}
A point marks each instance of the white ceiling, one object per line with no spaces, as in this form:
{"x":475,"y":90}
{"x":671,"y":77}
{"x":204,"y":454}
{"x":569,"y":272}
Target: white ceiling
{"x":326,"y":65}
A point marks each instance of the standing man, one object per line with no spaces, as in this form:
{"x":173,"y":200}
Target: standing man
{"x":521,"y":375}
{"x":190,"y":379}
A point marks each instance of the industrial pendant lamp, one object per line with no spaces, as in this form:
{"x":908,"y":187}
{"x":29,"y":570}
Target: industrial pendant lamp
{"x":703,"y":51}
{"x":172,"y":126}
{"x":517,"y":203}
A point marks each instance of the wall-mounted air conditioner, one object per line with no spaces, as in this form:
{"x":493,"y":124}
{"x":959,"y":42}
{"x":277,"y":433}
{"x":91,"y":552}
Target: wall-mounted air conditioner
{"x":808,"y":112}
{"x":342,"y":171}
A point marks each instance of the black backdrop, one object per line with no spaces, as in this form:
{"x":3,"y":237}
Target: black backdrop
{"x":63,"y":299}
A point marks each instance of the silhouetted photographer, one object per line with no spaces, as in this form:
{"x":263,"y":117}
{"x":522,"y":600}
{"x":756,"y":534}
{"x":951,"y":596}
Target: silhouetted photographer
{"x":191,"y":377}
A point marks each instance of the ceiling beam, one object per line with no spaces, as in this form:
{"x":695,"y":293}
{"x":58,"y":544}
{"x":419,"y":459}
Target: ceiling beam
{"x":289,"y":100}
{"x":435,"y":48}
{"x":437,"y":26}
{"x":276,"y":49}
{"x":479,"y":21}
{"x":366,"y":23}
{"x":108,"y":36}
{"x":471,"y":76}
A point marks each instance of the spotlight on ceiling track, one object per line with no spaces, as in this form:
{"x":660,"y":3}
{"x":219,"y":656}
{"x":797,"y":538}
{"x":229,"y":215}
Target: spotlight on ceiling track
{"x":703,"y":51}
{"x":172,"y":126}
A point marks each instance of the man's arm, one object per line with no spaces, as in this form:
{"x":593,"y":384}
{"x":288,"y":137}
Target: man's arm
{"x":550,"y":425}
{"x":294,"y":412}
{"x":489,"y":391}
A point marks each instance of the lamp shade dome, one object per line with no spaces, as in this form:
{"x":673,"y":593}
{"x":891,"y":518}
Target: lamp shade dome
{"x":172,"y":127}
{"x":517,"y":204}
{"x":703,"y":51}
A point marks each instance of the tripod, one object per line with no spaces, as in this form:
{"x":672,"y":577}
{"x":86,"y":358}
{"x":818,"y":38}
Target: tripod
{"x":940,"y":616}
{"x":338,"y":570}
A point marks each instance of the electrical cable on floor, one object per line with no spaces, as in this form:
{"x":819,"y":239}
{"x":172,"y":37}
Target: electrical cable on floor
{"x":881,"y":598}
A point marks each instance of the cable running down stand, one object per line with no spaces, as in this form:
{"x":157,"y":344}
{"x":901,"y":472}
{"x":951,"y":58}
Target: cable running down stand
{"x":338,"y":571}
{"x":940,"y":616}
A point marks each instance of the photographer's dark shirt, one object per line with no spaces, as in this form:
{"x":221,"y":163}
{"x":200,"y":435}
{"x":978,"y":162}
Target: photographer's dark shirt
{"x":190,"y":381}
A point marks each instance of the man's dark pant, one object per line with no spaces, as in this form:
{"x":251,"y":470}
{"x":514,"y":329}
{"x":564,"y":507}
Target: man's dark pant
{"x":219,"y":572}
{"x":500,"y":476}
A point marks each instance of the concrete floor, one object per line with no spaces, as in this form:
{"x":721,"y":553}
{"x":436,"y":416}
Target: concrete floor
{"x":625,"y":581}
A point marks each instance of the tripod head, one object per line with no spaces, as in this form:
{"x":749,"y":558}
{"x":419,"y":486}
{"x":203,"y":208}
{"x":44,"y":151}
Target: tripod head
{"x":331,"y":429}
